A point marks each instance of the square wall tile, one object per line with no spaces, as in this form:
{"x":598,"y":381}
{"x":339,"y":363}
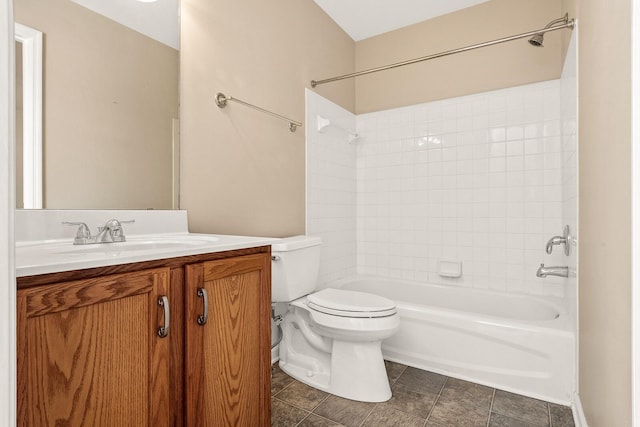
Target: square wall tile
{"x":478,"y":178}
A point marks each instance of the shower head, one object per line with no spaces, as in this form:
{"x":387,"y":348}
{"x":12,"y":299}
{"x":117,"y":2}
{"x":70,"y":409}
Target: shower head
{"x":538,"y":38}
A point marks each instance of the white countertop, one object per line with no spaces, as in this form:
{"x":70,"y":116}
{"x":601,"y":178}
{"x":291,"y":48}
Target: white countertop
{"x":45,"y":245}
{"x":53,"y":256}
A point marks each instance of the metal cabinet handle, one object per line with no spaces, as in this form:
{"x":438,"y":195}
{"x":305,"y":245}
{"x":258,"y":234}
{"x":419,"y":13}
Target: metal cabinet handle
{"x":202,"y":319}
{"x":163,"y":302}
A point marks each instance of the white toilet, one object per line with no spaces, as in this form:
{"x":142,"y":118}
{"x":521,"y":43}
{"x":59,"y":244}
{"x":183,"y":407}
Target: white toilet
{"x":331,"y":338}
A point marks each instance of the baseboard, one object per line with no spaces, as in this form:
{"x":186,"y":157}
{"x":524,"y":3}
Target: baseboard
{"x":578,"y":413}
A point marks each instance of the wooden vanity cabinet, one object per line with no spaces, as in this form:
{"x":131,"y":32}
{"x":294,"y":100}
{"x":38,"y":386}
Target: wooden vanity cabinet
{"x":89,"y":352}
{"x":227,"y":370}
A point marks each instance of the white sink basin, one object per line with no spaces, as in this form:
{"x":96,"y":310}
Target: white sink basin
{"x":138,"y":244}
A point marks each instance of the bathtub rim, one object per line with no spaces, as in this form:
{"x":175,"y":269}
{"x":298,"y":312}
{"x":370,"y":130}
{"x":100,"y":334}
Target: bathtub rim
{"x":563,"y":323}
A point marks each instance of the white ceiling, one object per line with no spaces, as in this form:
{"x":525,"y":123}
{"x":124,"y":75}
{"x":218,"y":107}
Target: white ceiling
{"x":362,"y":19}
{"x":158,"y":20}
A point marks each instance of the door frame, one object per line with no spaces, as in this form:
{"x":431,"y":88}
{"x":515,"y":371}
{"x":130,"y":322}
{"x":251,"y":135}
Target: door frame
{"x":7,"y":212}
{"x":635,"y":261}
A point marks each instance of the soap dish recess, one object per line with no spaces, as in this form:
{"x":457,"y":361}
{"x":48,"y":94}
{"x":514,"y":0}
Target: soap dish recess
{"x":449,"y":267}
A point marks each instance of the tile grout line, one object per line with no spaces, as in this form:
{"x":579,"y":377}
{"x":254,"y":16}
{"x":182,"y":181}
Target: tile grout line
{"x":403,"y":370}
{"x":281,"y":390}
{"x":365,"y":418}
{"x":306,"y":413}
{"x":300,"y":422}
{"x":319,"y":416}
{"x":321,"y":402}
{"x":298,"y":407}
{"x":293,"y":406}
{"x":435,"y":402}
{"x":493,"y":396}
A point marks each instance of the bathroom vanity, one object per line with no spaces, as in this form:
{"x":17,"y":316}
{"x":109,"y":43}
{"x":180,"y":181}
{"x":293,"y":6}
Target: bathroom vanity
{"x":162,"y":341}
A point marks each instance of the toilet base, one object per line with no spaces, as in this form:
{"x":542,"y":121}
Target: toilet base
{"x":353,"y":370}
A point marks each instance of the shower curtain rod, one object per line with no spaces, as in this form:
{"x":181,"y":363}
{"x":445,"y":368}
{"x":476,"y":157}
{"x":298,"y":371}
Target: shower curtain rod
{"x":570,"y":23}
{"x":221,"y":101}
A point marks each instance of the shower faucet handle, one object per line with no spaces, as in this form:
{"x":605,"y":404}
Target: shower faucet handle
{"x":565,"y":240}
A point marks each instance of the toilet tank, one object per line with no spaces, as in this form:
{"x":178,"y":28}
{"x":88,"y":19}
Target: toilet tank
{"x":294,"y":267}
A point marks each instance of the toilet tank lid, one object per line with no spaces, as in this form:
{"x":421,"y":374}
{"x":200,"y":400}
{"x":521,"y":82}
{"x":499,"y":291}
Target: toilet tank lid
{"x":295,"y":242}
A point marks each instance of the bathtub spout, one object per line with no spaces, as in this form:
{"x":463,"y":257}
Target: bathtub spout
{"x":552,"y":271}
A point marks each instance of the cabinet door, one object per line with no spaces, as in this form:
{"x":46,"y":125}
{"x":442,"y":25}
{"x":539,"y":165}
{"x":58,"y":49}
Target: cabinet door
{"x":227,"y":357}
{"x":89,"y":352}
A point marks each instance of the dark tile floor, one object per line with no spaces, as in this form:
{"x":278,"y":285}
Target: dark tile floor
{"x":420,"y":398}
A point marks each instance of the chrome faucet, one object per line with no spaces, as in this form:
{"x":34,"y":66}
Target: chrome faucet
{"x":552,"y":271}
{"x":111,"y":232}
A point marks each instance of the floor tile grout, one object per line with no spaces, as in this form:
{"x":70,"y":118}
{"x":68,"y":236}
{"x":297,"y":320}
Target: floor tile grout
{"x":321,"y":402}
{"x":319,"y":416}
{"x":284,"y":388}
{"x":369,"y":414}
{"x":295,"y":406}
{"x":441,"y":401}
{"x":493,"y":396}
{"x":435,"y":402}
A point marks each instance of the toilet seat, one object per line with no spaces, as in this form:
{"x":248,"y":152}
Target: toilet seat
{"x":338,"y":302}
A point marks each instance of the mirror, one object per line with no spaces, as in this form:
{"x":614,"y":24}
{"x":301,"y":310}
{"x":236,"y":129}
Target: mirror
{"x":109,"y":96}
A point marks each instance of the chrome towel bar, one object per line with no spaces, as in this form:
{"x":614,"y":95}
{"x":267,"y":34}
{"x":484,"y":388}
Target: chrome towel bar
{"x":221,"y":101}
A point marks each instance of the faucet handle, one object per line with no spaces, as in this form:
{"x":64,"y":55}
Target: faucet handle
{"x":115,"y":224}
{"x":565,"y":240}
{"x":114,"y":228}
{"x":83,"y":235}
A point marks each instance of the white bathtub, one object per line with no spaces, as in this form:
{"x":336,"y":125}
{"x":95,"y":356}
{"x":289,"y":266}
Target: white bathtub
{"x":522,"y":344}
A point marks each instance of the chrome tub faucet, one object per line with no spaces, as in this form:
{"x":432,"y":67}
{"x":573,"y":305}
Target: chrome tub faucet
{"x":552,"y":271}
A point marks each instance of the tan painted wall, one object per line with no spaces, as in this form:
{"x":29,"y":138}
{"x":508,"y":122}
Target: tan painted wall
{"x":604,"y":69}
{"x":109,"y":96}
{"x":505,"y":65}
{"x":241,"y":170}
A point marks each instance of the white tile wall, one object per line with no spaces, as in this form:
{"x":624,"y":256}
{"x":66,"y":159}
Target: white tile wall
{"x":331,"y":186}
{"x":477,"y":178}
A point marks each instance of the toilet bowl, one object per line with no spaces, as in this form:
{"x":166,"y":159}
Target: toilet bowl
{"x":331,"y":337}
